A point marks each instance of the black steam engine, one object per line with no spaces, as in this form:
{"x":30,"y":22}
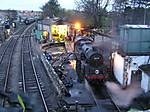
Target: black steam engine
{"x":89,"y":63}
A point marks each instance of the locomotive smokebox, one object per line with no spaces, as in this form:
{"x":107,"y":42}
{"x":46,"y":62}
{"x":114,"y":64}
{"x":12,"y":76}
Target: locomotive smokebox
{"x":95,"y":59}
{"x":91,"y":54}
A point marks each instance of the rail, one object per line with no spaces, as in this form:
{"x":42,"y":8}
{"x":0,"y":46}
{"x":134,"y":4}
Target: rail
{"x":38,"y":83}
{"x":6,"y":58}
{"x":99,"y":106}
{"x":113,"y":102}
{"x":33,"y":77}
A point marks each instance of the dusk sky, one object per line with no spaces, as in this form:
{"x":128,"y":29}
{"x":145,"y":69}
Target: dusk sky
{"x":32,"y":4}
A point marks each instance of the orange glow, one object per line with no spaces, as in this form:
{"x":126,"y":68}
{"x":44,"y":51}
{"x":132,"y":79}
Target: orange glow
{"x":77,"y":26}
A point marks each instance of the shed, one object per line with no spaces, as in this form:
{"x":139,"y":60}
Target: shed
{"x":44,"y":25}
{"x":135,"y":39}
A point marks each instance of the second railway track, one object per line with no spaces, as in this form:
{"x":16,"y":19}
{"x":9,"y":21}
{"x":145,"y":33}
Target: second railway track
{"x":31,"y":79}
{"x":101,"y":97}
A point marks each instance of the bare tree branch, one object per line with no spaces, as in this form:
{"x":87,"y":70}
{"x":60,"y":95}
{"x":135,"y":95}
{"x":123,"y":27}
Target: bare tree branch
{"x":107,"y":2}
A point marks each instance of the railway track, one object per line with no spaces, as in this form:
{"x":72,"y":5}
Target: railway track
{"x":100,"y":101}
{"x":113,"y":102}
{"x":6,"y":45}
{"x":5,"y":62}
{"x":32,"y":82}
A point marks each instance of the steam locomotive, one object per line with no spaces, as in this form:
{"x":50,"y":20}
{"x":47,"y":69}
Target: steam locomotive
{"x":89,"y":62}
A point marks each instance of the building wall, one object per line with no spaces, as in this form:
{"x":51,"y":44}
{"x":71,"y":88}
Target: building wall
{"x":132,"y":65}
{"x":8,"y":14}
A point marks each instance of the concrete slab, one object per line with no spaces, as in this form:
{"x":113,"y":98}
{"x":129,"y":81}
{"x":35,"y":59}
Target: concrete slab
{"x":81,"y":94}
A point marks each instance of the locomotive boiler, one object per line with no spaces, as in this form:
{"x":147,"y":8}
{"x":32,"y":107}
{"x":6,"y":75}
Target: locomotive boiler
{"x":90,"y":63}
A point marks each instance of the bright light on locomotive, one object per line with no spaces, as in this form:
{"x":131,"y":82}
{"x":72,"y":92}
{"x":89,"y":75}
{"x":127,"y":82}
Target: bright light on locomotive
{"x":77,"y":26}
{"x":96,"y":72}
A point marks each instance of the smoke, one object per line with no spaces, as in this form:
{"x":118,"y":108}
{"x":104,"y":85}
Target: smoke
{"x":123,"y":97}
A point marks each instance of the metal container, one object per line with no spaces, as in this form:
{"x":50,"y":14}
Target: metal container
{"x":135,"y":39}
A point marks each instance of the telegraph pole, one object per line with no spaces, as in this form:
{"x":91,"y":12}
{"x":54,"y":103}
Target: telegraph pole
{"x":145,"y":15}
{"x":145,"y":12}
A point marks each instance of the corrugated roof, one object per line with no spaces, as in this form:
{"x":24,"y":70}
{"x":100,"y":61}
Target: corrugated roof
{"x":45,"y":22}
{"x":135,"y":26}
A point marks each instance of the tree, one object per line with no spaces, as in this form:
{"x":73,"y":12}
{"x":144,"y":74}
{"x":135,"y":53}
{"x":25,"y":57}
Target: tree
{"x":131,"y":11}
{"x":51,"y":8}
{"x":93,"y":10}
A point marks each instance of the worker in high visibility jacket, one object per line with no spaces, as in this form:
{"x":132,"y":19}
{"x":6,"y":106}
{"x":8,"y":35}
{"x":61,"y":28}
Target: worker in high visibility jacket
{"x":20,"y":101}
{"x":45,"y":36}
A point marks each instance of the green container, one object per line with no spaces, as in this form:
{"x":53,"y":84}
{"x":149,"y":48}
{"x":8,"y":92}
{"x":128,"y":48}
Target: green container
{"x":38,"y":34}
{"x":135,"y":39}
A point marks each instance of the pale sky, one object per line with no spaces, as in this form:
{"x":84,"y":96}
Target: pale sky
{"x":32,"y":4}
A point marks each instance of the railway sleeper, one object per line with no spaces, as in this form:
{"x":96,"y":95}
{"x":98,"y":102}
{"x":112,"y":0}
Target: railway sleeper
{"x":31,"y":90}
{"x":31,"y":84}
{"x":30,"y":80}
